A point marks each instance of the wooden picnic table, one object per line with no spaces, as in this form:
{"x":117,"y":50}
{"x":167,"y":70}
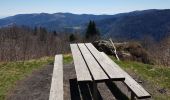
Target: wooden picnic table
{"x":94,"y":66}
{"x":90,"y":65}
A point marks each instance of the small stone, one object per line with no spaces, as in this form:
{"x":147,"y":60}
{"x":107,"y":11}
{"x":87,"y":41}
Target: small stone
{"x":140,"y":82}
{"x":162,"y":91}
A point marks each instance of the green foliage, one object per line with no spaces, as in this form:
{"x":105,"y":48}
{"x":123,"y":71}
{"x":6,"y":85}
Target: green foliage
{"x":91,"y":30}
{"x":11,"y":72}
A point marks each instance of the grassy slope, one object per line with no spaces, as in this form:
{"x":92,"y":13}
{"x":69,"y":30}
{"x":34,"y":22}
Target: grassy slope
{"x":11,"y":72}
{"x":156,"y":77}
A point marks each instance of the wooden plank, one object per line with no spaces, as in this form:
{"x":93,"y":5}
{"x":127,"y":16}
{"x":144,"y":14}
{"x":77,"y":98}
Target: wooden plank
{"x":56,"y":91}
{"x":95,"y":69}
{"x":112,"y":71}
{"x":82,"y":71}
{"x":139,"y":91}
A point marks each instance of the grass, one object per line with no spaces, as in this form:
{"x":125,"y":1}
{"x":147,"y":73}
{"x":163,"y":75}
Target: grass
{"x":68,"y":58}
{"x":11,"y":72}
{"x":156,"y":76}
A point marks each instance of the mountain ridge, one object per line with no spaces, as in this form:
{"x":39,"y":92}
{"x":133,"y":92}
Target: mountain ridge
{"x":132,"y":25}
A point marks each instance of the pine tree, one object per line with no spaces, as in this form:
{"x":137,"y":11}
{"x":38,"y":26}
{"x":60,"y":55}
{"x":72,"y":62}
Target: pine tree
{"x":43,"y":34}
{"x":72,"y":37}
{"x":92,"y":31}
{"x":35,"y":31}
{"x":55,"y":33}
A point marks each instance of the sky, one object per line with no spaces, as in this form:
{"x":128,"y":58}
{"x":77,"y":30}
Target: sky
{"x":13,"y":7}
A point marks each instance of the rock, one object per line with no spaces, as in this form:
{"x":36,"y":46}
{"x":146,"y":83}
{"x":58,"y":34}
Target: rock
{"x":125,"y":50}
{"x":124,"y":55}
{"x":162,"y":91}
{"x":140,"y":81}
{"x":104,"y":46}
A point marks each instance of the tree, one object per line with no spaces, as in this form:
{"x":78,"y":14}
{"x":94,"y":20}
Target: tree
{"x":55,"y":33}
{"x":35,"y":31}
{"x":43,"y":34}
{"x":72,"y":38}
{"x":92,"y":31}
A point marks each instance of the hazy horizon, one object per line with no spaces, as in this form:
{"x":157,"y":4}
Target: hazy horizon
{"x":79,"y":13}
{"x":110,"y":7}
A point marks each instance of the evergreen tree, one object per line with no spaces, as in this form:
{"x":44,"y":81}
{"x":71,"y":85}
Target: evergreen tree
{"x":55,"y":33}
{"x":43,"y":34}
{"x":72,"y":37}
{"x":92,"y":31}
{"x":35,"y":31}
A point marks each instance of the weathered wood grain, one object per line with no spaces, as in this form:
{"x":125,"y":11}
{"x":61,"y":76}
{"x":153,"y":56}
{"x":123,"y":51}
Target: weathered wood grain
{"x":112,"y":71}
{"x":95,"y":69}
{"x":82,"y":71}
{"x":56,"y":91}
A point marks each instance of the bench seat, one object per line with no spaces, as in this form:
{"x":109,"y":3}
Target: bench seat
{"x":82,"y":71}
{"x":56,"y":91}
{"x":112,"y":71}
{"x":91,"y":66}
{"x":134,"y":86}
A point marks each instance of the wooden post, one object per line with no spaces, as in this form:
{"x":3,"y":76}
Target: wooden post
{"x":132,"y":96}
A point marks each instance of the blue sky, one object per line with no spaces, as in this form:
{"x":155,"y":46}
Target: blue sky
{"x":12,"y":7}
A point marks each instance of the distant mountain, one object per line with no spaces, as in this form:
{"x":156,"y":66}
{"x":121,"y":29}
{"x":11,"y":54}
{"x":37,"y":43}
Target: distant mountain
{"x":138,"y":25}
{"x":133,"y":25}
{"x":57,"y":21}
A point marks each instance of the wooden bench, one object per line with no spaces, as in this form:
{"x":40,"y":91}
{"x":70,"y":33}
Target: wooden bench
{"x":92,"y":69}
{"x":94,"y":66}
{"x":136,"y":89}
{"x":56,"y":91}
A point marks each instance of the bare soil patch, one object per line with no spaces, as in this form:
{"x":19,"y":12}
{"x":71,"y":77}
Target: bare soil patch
{"x":37,"y":87}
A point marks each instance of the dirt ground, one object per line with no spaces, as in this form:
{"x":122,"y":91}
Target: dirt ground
{"x":37,"y":87}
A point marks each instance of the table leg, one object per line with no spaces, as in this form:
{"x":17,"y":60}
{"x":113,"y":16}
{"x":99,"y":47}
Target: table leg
{"x":132,"y":96}
{"x":95,"y":91}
